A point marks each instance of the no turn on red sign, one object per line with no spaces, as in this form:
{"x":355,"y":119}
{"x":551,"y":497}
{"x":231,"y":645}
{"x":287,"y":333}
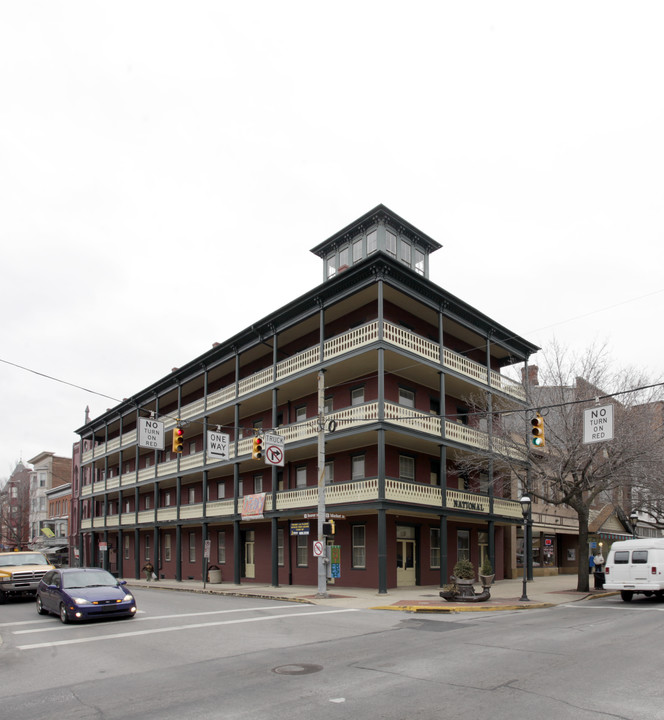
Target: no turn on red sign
{"x":319,"y":548}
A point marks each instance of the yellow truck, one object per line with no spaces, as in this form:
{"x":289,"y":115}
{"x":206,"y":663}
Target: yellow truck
{"x":20,"y":573}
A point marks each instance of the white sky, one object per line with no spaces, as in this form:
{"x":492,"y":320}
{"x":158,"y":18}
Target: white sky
{"x":165,"y":168}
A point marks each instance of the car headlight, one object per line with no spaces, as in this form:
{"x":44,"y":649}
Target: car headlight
{"x":128,"y":598}
{"x":81,"y":601}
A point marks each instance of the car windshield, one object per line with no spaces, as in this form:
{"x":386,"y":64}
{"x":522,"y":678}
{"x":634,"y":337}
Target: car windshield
{"x":87,"y":578}
{"x":23,"y":559}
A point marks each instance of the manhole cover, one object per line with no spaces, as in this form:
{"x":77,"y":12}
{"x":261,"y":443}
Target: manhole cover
{"x":304,"y":669}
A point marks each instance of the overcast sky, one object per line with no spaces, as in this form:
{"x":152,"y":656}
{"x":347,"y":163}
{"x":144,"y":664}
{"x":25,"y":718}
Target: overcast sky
{"x":165,"y":168}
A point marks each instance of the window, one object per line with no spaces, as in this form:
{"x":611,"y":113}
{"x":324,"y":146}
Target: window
{"x":463,"y":545}
{"x":331,"y":266}
{"x":372,"y":241}
{"x":329,"y":472}
{"x":640,"y":556}
{"x":434,"y":552}
{"x":221,"y":489}
{"x":147,"y":547}
{"x":167,"y":548}
{"x":328,"y":407}
{"x":148,"y":502}
{"x":406,"y":467}
{"x":406,"y":397}
{"x":359,"y":554}
{"x":192,"y":496}
{"x":621,"y":557}
{"x":302,"y":551}
{"x":391,"y":243}
{"x":240,"y":488}
{"x":405,"y":253}
{"x":126,"y":547}
{"x":192,"y":547}
{"x":258,"y":483}
{"x":357,"y":467}
{"x":280,"y":547}
{"x":357,"y":250}
{"x":419,"y":261}
{"x":434,"y":406}
{"x":344,"y":258}
{"x":167,"y":498}
{"x":192,"y":447}
{"x":221,"y":547}
{"x":357,"y":396}
{"x":301,"y":413}
{"x":462,"y":415}
{"x":301,"y":476}
{"x":434,"y":472}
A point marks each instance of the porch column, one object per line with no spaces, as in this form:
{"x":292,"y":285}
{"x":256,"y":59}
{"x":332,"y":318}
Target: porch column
{"x":382,"y":552}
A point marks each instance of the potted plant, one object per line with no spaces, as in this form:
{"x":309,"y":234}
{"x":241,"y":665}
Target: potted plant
{"x":464,"y":572}
{"x":486,"y":572}
{"x":449,"y":591}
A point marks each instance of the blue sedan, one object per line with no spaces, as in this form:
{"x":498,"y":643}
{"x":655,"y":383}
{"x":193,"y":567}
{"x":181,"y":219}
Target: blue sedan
{"x":84,"y":594}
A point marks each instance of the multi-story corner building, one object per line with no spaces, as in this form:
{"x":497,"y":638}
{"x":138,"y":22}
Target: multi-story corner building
{"x":56,"y":526}
{"x":49,"y":471}
{"x":401,"y":359}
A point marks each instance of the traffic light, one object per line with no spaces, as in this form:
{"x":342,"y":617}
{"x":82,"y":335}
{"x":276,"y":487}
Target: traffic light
{"x":178,"y":439}
{"x":538,"y":431}
{"x":257,"y":447}
{"x":328,"y":528}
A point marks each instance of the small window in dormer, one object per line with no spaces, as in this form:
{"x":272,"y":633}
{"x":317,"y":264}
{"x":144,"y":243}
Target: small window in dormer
{"x":405,"y":253}
{"x":419,"y":261}
{"x":344,"y":258}
{"x":391,"y":243}
{"x":357,"y":250}
{"x":372,"y":241}
{"x":331,"y":266}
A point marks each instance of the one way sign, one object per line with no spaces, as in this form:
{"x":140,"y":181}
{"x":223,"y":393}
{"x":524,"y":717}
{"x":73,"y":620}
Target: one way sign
{"x":217,"y":445}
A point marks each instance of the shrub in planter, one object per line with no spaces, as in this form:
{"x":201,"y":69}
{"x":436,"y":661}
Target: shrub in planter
{"x":486,"y":568}
{"x":464,"y":570}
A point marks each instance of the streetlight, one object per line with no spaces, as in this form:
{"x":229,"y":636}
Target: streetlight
{"x":634,"y":517}
{"x":525,"y":509}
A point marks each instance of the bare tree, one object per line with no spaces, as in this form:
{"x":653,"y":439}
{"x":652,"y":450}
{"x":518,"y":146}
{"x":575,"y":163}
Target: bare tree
{"x":566,"y":471}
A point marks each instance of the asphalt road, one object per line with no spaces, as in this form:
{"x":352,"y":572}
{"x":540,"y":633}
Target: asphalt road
{"x":189,"y":655}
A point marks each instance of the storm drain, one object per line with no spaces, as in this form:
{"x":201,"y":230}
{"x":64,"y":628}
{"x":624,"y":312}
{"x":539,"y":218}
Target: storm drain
{"x":304,"y":669}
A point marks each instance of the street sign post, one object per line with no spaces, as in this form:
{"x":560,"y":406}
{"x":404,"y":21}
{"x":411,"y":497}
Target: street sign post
{"x":217,"y":445}
{"x":598,"y":424}
{"x":150,"y":433}
{"x":274,"y":449}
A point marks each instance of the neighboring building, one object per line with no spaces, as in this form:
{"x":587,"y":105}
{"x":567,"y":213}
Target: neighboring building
{"x":49,"y":471}
{"x":56,"y":527}
{"x":402,"y":359}
{"x":15,"y":510}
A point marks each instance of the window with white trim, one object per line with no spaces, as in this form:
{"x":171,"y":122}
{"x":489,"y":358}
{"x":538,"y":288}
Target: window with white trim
{"x":359,"y":549}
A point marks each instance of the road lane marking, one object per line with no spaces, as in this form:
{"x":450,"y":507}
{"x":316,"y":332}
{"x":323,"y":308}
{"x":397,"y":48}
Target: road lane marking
{"x":52,"y":627}
{"x":95,"y":638}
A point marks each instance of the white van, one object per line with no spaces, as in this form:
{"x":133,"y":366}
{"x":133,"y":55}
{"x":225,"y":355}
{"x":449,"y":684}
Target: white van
{"x":636,"y":566}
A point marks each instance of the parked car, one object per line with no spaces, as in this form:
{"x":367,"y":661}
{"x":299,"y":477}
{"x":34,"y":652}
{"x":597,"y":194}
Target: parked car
{"x":84,"y":594}
{"x":636,"y":566}
{"x":20,"y":573}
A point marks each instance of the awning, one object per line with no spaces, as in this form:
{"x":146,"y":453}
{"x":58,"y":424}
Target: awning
{"x":614,"y":536}
{"x":50,"y":550}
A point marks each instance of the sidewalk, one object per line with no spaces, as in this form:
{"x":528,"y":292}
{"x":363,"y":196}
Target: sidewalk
{"x":542,"y":592}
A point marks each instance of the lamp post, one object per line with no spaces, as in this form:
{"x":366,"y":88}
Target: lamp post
{"x":634,"y":517}
{"x":525,"y":509}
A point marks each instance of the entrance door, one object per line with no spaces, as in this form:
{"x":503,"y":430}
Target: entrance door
{"x":249,"y":556}
{"x":405,"y":563}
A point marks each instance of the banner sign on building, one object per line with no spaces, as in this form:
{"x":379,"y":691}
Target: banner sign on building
{"x":253,"y":506}
{"x":151,"y":433}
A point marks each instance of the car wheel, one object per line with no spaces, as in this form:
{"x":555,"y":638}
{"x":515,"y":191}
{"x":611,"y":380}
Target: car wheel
{"x":626,"y":595}
{"x":40,"y":607}
{"x":63,"y":614}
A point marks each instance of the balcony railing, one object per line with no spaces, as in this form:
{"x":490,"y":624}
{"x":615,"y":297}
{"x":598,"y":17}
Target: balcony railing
{"x":334,"y":347}
{"x":347,"y":493}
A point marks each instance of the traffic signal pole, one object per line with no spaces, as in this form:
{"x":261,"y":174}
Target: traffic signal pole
{"x":322,"y":560}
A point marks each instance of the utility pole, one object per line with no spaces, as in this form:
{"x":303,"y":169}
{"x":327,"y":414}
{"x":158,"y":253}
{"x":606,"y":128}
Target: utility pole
{"x":322,"y":560}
